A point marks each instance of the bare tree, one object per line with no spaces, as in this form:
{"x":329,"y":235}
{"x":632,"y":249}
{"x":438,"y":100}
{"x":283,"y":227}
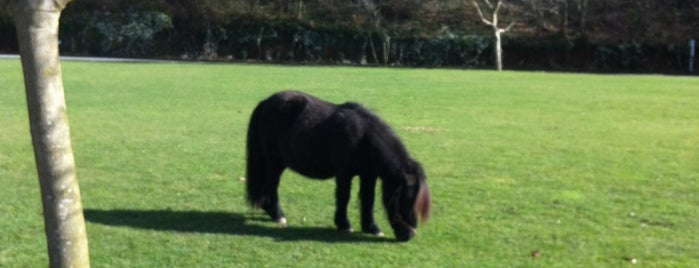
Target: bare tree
{"x":541,"y":13}
{"x":37,"y":32}
{"x":373,"y":10}
{"x":577,"y":16}
{"x":497,"y":31}
{"x":582,"y":11}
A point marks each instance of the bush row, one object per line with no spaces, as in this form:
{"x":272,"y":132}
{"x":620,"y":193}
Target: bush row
{"x":153,"y":34}
{"x":560,"y":54}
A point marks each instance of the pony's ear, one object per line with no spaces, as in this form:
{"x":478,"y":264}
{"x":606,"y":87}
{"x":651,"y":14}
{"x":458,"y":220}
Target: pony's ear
{"x":413,"y":173}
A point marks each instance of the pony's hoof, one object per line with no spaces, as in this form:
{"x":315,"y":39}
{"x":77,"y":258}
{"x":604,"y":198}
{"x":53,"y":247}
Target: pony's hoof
{"x":346,"y":230}
{"x":282,"y":222}
{"x":374,"y":230}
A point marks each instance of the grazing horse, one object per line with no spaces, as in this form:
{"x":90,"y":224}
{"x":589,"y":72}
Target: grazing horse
{"x":321,"y":140}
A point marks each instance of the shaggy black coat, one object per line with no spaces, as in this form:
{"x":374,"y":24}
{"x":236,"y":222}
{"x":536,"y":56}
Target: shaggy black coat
{"x":321,"y":140}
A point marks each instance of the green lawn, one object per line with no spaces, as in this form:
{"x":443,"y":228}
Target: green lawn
{"x":589,"y":170}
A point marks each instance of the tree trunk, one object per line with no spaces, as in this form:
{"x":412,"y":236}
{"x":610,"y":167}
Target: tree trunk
{"x":564,"y":19}
{"x":386,"y":41}
{"x":538,"y":17}
{"x":37,"y":31}
{"x":299,"y":10}
{"x":498,"y":49}
{"x":582,"y":9}
{"x":373,"y":50}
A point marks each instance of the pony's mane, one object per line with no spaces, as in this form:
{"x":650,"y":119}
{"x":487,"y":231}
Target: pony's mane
{"x":382,"y":132}
{"x":423,"y":202}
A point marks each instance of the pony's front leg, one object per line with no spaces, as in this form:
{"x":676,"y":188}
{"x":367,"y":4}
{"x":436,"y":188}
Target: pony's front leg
{"x":342,"y":197}
{"x":367,"y":186}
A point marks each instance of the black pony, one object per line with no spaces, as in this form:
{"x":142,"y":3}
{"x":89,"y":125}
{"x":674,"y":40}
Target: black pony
{"x":320,"y":140}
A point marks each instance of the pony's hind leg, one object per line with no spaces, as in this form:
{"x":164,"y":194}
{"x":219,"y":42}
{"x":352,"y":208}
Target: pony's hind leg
{"x":271,"y":204}
{"x":367,"y":187}
{"x":275,"y":212}
{"x":342,"y":197}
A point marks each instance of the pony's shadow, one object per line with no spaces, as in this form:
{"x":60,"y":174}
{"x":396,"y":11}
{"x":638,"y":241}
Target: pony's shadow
{"x":218,"y":222}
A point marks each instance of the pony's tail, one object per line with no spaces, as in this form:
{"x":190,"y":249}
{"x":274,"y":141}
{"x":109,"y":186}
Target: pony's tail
{"x":255,"y":169}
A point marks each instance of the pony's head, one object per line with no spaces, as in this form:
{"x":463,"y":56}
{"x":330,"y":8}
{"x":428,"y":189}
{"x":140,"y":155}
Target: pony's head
{"x":406,"y":199}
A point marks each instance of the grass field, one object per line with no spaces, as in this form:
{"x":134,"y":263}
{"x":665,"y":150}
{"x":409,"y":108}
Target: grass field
{"x":588,"y":170}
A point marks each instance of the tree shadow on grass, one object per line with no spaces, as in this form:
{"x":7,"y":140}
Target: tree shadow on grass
{"x":218,"y":222}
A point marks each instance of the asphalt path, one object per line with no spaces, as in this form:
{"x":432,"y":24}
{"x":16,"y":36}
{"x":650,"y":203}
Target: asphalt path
{"x":92,"y":59}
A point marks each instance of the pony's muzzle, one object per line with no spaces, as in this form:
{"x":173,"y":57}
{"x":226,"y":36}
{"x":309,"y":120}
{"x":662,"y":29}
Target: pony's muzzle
{"x":404,"y":237}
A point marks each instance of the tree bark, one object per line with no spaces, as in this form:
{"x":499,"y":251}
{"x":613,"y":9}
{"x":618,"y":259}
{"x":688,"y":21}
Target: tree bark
{"x":498,"y":49}
{"x":64,"y":224}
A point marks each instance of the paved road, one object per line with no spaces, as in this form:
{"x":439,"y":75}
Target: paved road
{"x":94,"y":59}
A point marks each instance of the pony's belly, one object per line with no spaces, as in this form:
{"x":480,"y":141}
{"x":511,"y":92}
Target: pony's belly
{"x":313,"y":172}
{"x":310,"y":158}
{"x":311,"y":166}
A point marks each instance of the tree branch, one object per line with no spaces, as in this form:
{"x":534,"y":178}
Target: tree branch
{"x":480,"y":13}
{"x":52,"y":5}
{"x":509,"y":27}
{"x":498,"y":4}
{"x":490,"y":5}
